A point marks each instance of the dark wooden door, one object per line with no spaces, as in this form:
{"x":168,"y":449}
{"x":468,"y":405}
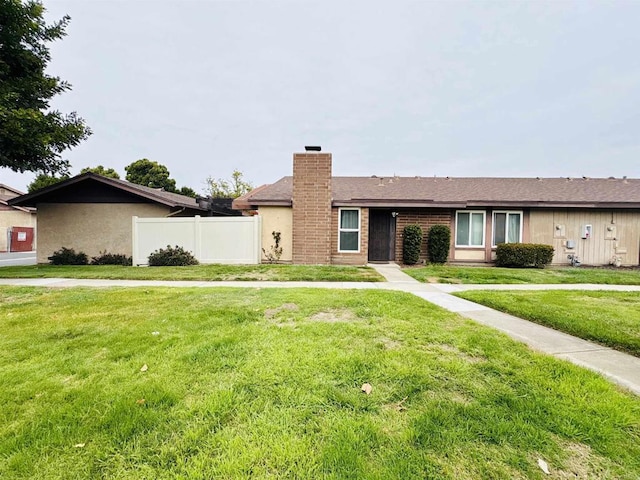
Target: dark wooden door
{"x":381,"y":236}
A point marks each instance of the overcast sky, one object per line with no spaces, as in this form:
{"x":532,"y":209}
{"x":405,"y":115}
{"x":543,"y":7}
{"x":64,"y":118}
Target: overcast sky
{"x":408,"y":88}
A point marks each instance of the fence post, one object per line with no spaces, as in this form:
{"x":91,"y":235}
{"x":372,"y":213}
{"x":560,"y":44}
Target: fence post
{"x":134,"y":241}
{"x":257,"y":235}
{"x":197,"y":241}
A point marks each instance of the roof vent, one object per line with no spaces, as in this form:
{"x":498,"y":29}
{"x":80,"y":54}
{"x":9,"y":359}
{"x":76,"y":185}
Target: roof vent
{"x":311,"y":148}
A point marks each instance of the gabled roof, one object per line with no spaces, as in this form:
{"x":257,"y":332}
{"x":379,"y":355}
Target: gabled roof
{"x":44,"y":195}
{"x":463,"y":192}
{"x":7,"y":193}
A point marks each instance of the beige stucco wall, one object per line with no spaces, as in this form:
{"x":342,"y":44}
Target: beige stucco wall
{"x":277,"y":219}
{"x":614,"y":233}
{"x":467,"y":254}
{"x":13,"y":218}
{"x":89,"y":227}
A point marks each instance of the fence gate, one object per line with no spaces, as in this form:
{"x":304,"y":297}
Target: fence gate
{"x":231,"y":240}
{"x":21,"y":239}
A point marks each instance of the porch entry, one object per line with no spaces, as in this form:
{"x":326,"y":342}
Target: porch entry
{"x":382,"y":235}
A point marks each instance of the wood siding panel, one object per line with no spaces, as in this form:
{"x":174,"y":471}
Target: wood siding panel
{"x":558,"y":226}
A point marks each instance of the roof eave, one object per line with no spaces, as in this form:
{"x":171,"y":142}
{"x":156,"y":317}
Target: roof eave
{"x":30,"y":199}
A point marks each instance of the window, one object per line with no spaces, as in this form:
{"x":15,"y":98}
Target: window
{"x":349,"y":230}
{"x":469,"y":229}
{"x":507,"y":227}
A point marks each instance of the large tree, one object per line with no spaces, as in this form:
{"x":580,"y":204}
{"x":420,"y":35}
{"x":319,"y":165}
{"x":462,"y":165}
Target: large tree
{"x":32,"y":135}
{"x":100,"y":170}
{"x":232,"y":188}
{"x":150,"y":174}
{"x":44,"y":180}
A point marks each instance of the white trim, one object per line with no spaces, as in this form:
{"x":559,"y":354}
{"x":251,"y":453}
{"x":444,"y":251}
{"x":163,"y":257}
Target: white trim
{"x":358,"y":230}
{"x":484,"y":228}
{"x":506,"y":232}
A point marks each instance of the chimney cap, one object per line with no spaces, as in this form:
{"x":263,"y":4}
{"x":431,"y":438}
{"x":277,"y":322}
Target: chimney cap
{"x":311,"y":148}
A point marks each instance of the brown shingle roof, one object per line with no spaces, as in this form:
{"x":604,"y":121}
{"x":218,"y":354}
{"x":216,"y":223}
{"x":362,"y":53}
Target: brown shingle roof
{"x":459,"y":192}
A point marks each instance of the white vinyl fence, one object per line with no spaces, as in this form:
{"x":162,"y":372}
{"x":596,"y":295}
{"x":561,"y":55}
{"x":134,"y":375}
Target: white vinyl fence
{"x":210,"y":239}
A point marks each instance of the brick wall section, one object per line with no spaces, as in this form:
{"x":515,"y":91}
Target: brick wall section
{"x":426,"y":218}
{"x":344,"y":258}
{"x":311,"y":208}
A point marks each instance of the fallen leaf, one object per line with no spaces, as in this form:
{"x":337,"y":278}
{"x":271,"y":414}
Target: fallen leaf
{"x":140,"y":401}
{"x":366,"y":388}
{"x":543,"y":466}
{"x":79,"y":445}
{"x":144,"y":368}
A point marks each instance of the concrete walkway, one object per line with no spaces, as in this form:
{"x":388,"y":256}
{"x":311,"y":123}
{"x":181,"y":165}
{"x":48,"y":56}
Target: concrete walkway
{"x":619,"y":367}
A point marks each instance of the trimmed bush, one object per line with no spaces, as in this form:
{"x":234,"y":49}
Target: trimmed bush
{"x":411,"y":241}
{"x":68,"y":256}
{"x":523,"y":255}
{"x":105,"y":258}
{"x":438,"y":242}
{"x":172,"y":257}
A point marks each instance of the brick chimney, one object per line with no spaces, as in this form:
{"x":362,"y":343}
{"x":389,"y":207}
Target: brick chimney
{"x":312,"y":207}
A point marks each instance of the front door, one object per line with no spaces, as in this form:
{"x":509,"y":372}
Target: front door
{"x":382,"y":232}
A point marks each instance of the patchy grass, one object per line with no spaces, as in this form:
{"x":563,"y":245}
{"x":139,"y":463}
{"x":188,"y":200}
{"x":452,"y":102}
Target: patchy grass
{"x":283,"y":273}
{"x":550,"y":275}
{"x":609,"y":318}
{"x":265,"y":383}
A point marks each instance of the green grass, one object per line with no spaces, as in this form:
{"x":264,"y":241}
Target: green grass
{"x":314,"y":273}
{"x":609,"y":318}
{"x":481,"y":275}
{"x":265,"y":383}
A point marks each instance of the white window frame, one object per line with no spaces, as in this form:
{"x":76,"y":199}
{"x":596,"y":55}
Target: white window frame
{"x":506,"y":233}
{"x":340,"y":229}
{"x":484,"y":229}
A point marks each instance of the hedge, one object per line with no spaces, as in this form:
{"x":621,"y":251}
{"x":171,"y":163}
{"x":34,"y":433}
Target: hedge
{"x":523,"y":255}
{"x":411,"y":240}
{"x":438,"y":242}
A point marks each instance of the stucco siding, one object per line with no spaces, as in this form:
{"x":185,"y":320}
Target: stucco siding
{"x":614,"y":233}
{"x":277,"y":219}
{"x":89,"y":227}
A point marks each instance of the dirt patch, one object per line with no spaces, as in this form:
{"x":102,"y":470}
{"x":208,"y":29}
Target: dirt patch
{"x":451,"y":350}
{"x":389,"y":344}
{"x":333,"y":316}
{"x":272,"y":312}
{"x":580,"y":464}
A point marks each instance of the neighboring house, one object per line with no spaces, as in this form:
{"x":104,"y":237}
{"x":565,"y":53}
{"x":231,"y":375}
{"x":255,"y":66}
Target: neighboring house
{"x":21,"y":221}
{"x":354,"y":220}
{"x":92,"y":213}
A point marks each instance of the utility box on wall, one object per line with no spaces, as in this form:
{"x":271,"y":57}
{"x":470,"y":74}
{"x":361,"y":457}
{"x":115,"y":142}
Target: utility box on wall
{"x":586,"y":231}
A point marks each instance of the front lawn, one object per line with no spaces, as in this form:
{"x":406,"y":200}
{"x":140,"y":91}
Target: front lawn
{"x":549,"y":275}
{"x":266,"y":383}
{"x":283,"y":273}
{"x":609,"y":318}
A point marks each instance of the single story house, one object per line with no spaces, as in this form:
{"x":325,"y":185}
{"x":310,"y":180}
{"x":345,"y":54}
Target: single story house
{"x":324,"y":219}
{"x":17,"y":224}
{"x":92,"y":213}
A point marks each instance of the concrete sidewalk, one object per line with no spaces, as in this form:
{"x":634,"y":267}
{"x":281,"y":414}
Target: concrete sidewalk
{"x":619,"y":367}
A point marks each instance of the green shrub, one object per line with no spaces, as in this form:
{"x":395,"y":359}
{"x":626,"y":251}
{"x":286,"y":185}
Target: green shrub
{"x":68,"y":256}
{"x":523,"y":255}
{"x":105,"y":258}
{"x":411,"y":241}
{"x":172,"y":257}
{"x":438,"y":243}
